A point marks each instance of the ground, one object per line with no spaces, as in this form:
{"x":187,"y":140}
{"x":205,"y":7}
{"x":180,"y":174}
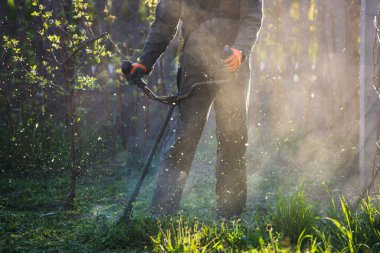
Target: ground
{"x":31,"y":218}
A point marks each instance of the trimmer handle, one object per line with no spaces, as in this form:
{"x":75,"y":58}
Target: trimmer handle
{"x":126,"y":67}
{"x":227,"y":52}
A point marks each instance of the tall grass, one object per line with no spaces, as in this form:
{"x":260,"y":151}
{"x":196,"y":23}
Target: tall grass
{"x":182,"y":236}
{"x":352,"y":230}
{"x":185,"y":235}
{"x":370,"y":222}
{"x":293,"y":216}
{"x":296,"y":227}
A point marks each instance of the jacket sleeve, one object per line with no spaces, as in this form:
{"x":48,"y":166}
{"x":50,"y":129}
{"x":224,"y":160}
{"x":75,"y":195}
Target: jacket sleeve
{"x":162,"y":31}
{"x":250,"y":22}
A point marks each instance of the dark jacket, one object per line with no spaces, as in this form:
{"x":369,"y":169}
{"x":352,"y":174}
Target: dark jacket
{"x":247,"y":13}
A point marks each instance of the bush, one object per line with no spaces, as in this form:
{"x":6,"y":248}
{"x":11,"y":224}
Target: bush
{"x":30,"y":147}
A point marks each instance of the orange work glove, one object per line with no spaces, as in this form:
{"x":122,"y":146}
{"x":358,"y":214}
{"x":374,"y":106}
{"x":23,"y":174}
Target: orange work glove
{"x":138,"y":70}
{"x":233,"y":62}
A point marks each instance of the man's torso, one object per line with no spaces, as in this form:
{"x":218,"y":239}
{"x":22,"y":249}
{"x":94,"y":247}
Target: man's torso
{"x":208,"y":26}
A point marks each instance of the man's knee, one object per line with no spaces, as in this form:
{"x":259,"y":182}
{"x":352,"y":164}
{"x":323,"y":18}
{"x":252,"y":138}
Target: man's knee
{"x":233,"y":141}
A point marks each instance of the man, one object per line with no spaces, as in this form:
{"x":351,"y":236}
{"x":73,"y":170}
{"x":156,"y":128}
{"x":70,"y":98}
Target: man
{"x":207,"y":27}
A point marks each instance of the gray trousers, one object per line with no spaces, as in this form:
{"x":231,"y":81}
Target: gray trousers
{"x":230,"y":105}
{"x":231,"y":121}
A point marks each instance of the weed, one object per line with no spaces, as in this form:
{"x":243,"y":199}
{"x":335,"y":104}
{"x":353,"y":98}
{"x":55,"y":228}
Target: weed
{"x":293,"y":216}
{"x":182,"y":236}
{"x":351,"y":231}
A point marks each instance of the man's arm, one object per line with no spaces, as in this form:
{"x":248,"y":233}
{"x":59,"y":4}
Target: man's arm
{"x":162,"y":31}
{"x":250,"y":22}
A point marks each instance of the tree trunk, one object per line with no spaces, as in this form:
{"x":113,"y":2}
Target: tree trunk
{"x":368,"y":98}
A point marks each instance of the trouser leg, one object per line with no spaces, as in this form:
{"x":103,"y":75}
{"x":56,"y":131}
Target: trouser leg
{"x":232,"y":134}
{"x":177,"y":159}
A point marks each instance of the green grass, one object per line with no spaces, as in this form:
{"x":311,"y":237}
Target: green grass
{"x":30,"y":220}
{"x":293,"y":216}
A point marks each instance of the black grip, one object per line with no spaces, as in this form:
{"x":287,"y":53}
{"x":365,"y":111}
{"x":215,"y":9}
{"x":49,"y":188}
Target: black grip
{"x":126,"y":67}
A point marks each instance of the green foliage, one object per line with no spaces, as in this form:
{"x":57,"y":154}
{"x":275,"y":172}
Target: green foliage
{"x":345,"y":230}
{"x":352,"y":231}
{"x":293,"y":216}
{"x":53,"y":69}
{"x":150,"y":6}
{"x":84,"y":82}
{"x":65,"y":38}
{"x":121,"y":236}
{"x":370,"y":221}
{"x":29,"y":195}
{"x":32,"y":146}
{"x":183,"y":234}
{"x":65,"y":41}
{"x":11,"y":3}
{"x":42,"y":147}
{"x":12,"y":46}
{"x":29,"y":221}
{"x":185,"y":237}
{"x":308,"y":243}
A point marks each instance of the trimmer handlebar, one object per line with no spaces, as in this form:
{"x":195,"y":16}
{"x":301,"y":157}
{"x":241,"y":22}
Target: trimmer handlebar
{"x":173,"y":100}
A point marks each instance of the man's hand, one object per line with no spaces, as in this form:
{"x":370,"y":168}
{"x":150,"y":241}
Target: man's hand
{"x":138,"y":70}
{"x":233,"y":62}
